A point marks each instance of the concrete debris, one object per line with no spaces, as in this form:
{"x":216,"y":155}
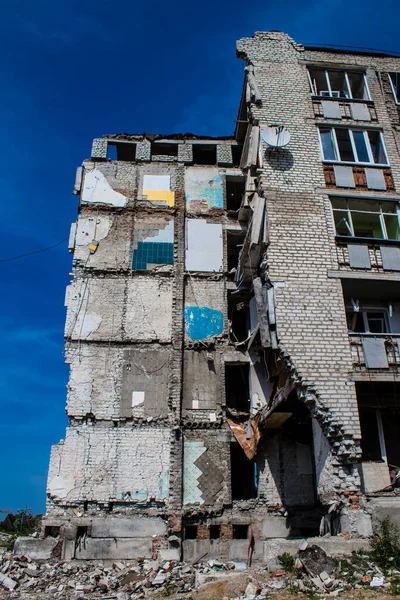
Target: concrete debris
{"x":29,"y":579}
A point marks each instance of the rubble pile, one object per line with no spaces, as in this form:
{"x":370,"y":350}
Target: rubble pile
{"x":311,"y":571}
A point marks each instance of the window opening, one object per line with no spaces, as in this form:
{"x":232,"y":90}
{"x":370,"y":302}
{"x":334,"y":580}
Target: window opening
{"x":243,"y":474}
{"x":204,"y":154}
{"x":237,"y":387}
{"x":215,"y":532}
{"x":240,"y":532}
{"x":238,"y":315}
{"x":234,"y":244}
{"x":352,"y":145}
{"x":235,"y":187}
{"x":236,"y":154}
{"x":394,"y":79}
{"x":366,"y":218}
{"x":121,"y":151}
{"x":162,"y":149}
{"x":51,"y":531}
{"x":379,"y":410}
{"x":190,"y":532}
{"x":367,"y":321}
{"x":338,"y":84}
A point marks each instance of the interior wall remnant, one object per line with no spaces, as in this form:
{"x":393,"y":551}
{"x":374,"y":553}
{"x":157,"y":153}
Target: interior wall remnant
{"x":153,"y":243}
{"x":204,"y":248}
{"x":204,"y":309}
{"x":97,"y":190}
{"x":145,"y":383}
{"x":157,"y":188}
{"x":80,"y":465}
{"x":205,"y":465}
{"x":201,"y":380}
{"x":323,"y":464}
{"x":203,"y":189}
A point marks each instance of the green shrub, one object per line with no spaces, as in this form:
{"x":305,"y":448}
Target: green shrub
{"x":287,"y":561}
{"x":386,"y":545}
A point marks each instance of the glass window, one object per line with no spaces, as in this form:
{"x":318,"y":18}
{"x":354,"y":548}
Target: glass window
{"x":361,"y":146}
{"x":358,"y":87}
{"x":395,"y":82}
{"x":319,"y":85}
{"x":367,"y":225}
{"x":376,"y":322}
{"x":335,"y":84}
{"x":378,"y":152}
{"x":366,"y":219}
{"x":342,"y":223}
{"x":344,"y":144}
{"x":328,"y":146}
{"x":353,"y":145}
{"x":338,"y":83}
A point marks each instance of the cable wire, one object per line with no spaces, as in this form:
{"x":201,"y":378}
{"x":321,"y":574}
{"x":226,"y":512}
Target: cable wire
{"x":34,"y":251}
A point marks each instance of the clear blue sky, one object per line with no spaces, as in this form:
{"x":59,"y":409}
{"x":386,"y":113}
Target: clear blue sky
{"x":72,"y":71}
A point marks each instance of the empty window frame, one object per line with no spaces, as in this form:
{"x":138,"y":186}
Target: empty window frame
{"x":352,"y":146}
{"x":394,"y":79}
{"x":204,"y":154}
{"x":367,"y":320}
{"x":125,"y":151}
{"x":235,"y":187}
{"x":366,"y":218}
{"x":164,"y":149}
{"x":338,"y":84}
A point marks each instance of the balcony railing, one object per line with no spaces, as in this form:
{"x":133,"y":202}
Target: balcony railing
{"x":390,"y":343}
{"x":360,"y":178}
{"x":345,"y":109}
{"x":374,"y":251}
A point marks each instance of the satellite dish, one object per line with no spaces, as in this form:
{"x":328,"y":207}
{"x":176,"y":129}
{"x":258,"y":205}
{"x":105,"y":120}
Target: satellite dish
{"x":276,"y":136}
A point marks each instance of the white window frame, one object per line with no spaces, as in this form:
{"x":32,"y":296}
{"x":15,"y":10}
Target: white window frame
{"x":393,"y":87}
{"x":329,"y":88}
{"x":353,"y":146}
{"x":349,"y":218}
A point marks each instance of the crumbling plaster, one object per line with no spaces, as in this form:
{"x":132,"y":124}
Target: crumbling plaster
{"x":105,"y":464}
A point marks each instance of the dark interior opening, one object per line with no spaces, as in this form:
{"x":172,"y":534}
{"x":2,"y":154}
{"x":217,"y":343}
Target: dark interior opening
{"x":190,"y":532}
{"x":243,"y":474}
{"x":235,"y":187}
{"x":236,"y":155}
{"x":121,"y":151}
{"x":237,"y":387}
{"x":52,"y":531}
{"x":238,"y":315}
{"x":379,"y":404}
{"x":81,"y":531}
{"x":240,"y":532}
{"x":163,"y":149}
{"x":85,"y":505}
{"x":204,"y":154}
{"x":215,"y":532}
{"x":234,"y":244}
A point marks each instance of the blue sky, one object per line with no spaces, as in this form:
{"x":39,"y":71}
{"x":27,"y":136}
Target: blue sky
{"x":72,"y":71}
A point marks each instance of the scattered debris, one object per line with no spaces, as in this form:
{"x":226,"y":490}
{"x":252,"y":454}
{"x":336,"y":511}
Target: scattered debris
{"x":314,"y":573}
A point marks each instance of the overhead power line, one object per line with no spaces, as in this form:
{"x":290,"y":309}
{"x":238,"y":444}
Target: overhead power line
{"x":34,"y":251}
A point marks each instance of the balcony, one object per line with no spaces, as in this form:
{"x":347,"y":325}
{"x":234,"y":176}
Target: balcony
{"x":360,"y":178}
{"x":344,"y":109}
{"x":375,"y":351}
{"x":376,"y":256}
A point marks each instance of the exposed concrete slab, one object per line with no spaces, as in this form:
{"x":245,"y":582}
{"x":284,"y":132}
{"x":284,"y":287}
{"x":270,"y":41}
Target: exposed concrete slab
{"x":382,"y":508}
{"x":275,"y":527}
{"x":35,"y":548}
{"x":121,"y":548}
{"x":134,"y":527}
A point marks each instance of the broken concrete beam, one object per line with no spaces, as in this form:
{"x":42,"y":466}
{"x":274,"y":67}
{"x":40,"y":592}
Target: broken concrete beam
{"x":35,"y":548}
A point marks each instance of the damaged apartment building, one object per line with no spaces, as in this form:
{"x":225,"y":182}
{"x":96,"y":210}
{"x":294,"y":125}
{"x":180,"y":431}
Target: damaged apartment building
{"x":233,"y":322}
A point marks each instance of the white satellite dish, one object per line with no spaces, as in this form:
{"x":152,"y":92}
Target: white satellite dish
{"x":276,"y":136}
